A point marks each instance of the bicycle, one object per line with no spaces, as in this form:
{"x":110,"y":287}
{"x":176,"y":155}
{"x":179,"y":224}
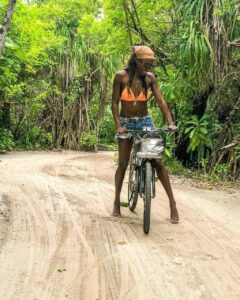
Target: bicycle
{"x":148,"y":147}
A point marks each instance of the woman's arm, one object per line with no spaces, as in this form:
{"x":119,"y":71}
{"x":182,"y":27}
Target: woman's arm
{"x":115,"y":100}
{"x":161,"y":102}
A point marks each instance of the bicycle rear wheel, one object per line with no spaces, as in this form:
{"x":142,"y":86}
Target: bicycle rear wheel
{"x":133,"y":187}
{"x":147,"y":197}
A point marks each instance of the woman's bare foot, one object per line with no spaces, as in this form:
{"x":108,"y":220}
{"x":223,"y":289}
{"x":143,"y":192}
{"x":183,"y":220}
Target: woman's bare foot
{"x":174,"y":214}
{"x":116,"y":210}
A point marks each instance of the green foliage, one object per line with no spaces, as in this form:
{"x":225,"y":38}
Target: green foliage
{"x":6,"y":140}
{"x":198,"y":133}
{"x":200,"y":136}
{"x":60,"y":57}
{"x":88,"y":140}
{"x":172,"y":87}
{"x":196,"y":54}
{"x":107,"y":128}
{"x":170,"y":145}
{"x":112,"y":147}
{"x":221,"y":170}
{"x":156,"y":116}
{"x":35,"y":138}
{"x":176,"y":168}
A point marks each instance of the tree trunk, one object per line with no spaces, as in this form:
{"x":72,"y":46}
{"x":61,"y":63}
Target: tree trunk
{"x":103,"y":96}
{"x":6,"y":23}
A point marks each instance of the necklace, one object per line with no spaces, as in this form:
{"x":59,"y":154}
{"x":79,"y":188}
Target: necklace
{"x":138,"y":88}
{"x":137,"y":83}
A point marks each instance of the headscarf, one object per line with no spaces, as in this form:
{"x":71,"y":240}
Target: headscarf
{"x":143,"y":52}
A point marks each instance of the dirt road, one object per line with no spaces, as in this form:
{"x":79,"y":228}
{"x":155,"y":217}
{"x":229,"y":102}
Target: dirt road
{"x":58,"y":240}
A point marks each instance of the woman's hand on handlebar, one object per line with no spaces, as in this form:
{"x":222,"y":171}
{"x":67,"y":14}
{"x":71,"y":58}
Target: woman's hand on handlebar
{"x":172,"y":128}
{"x":121,"y":129}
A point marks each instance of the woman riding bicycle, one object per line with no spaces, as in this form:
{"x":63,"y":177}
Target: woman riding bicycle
{"x":132,"y":86}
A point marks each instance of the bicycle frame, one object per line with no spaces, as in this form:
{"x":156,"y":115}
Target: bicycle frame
{"x":140,"y":158}
{"x":147,"y":149}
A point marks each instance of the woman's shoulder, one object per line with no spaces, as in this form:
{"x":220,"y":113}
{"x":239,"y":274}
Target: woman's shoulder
{"x":150,"y":76}
{"x":121,"y":74}
{"x":151,"y":79}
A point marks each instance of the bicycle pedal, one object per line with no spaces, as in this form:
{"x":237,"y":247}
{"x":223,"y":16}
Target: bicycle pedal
{"x":124,"y":204}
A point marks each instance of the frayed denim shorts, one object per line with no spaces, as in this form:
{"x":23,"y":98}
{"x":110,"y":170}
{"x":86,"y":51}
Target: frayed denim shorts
{"x":144,"y":123}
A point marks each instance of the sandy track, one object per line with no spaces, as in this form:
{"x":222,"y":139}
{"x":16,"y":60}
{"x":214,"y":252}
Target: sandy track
{"x":60,"y":242}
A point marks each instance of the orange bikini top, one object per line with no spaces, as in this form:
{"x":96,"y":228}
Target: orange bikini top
{"x":128,"y":95}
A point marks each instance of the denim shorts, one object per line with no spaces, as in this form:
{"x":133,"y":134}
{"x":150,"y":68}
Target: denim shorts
{"x":144,"y":123}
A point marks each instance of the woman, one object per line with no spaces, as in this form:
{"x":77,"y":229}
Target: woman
{"x":131,"y":86}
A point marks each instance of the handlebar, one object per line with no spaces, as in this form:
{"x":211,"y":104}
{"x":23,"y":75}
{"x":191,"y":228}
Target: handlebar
{"x":163,"y":129}
{"x":148,"y":133}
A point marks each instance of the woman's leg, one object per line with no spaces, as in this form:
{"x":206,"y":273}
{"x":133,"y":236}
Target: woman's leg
{"x":164,"y":178}
{"x":124,"y":151}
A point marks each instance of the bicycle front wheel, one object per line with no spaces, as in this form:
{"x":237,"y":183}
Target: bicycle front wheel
{"x":147,"y":197}
{"x":133,"y":188}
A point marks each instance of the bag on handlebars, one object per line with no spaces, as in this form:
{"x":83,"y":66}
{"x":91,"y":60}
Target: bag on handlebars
{"x":151,"y":148}
{"x":152,"y":145}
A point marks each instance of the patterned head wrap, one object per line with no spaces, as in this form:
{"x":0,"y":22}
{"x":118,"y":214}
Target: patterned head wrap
{"x":143,"y":52}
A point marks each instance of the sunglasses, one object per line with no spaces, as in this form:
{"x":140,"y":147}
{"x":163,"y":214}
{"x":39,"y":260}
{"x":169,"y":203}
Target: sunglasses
{"x":146,"y":64}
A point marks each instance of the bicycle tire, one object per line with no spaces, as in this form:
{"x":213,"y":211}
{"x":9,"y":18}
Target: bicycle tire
{"x":132,"y":187}
{"x":147,"y":197}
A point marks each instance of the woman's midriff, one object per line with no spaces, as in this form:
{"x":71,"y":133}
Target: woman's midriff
{"x":133,"y":109}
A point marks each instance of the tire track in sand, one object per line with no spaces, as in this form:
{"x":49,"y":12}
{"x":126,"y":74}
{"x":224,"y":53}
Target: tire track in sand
{"x":61,"y":206}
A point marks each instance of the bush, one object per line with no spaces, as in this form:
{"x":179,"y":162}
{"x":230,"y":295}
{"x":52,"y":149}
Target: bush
{"x":221,"y":170}
{"x":88,"y":141}
{"x":107,"y":129}
{"x":6,"y":140}
{"x":35,"y":138}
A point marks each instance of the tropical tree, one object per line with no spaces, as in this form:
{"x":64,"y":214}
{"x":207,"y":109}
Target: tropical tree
{"x":6,"y":23}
